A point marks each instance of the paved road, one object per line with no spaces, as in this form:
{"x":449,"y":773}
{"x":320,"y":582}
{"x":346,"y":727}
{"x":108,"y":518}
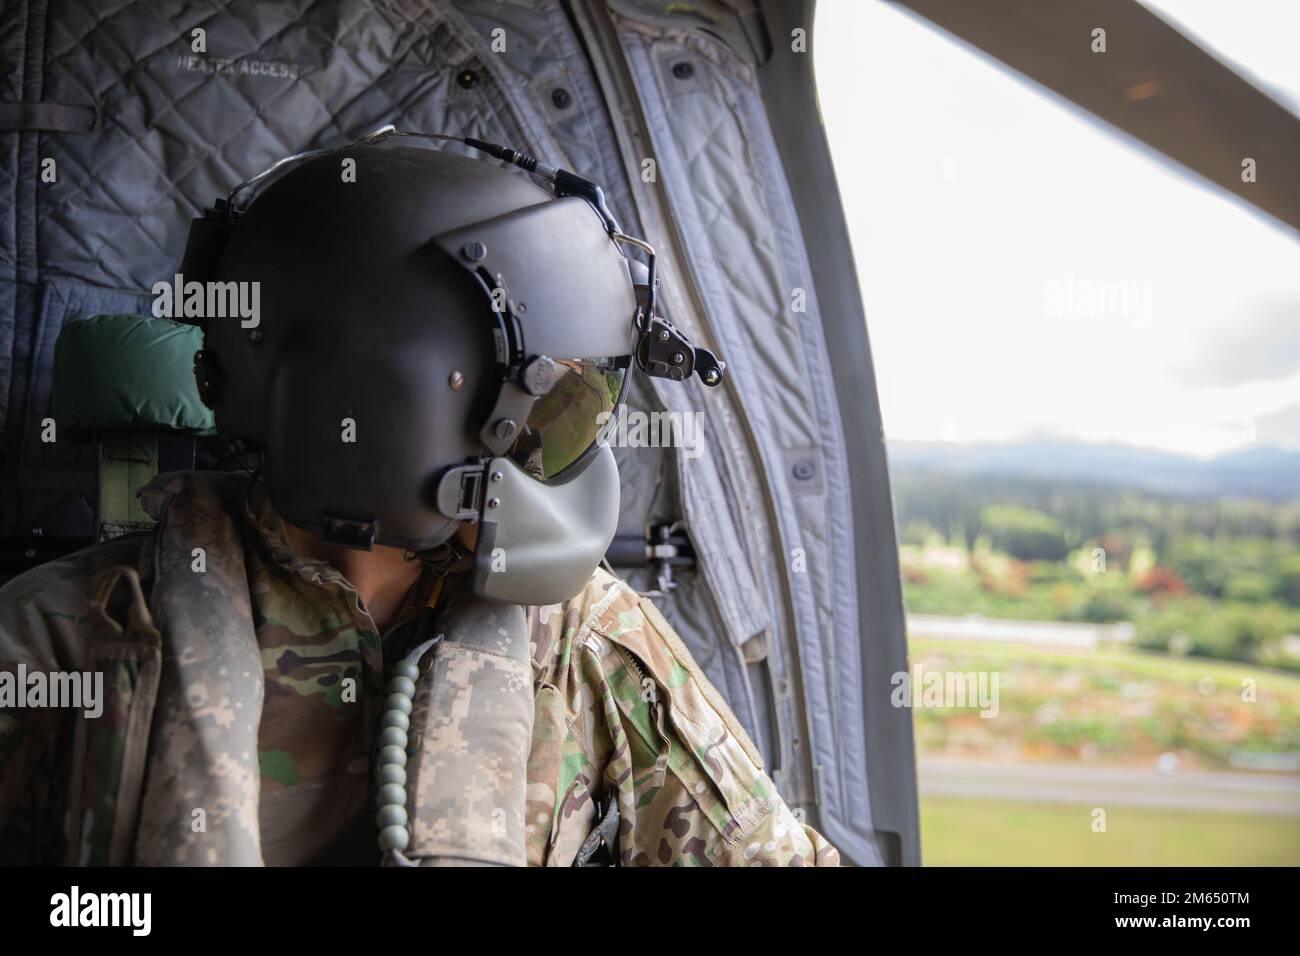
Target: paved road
{"x":1103,"y":786}
{"x":1046,"y":633}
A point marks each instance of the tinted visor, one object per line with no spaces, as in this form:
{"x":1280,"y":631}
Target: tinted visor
{"x":567,"y":424}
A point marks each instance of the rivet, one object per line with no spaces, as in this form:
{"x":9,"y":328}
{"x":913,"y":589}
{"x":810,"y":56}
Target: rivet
{"x":561,"y":99}
{"x":663,"y":336}
{"x":467,"y":79}
{"x":455,"y":380}
{"x":678,"y":358}
{"x":803,"y":470}
{"x":255,"y":336}
{"x":494,"y":502}
{"x":497,"y":476}
{"x":474,"y":251}
{"x":683,"y":70}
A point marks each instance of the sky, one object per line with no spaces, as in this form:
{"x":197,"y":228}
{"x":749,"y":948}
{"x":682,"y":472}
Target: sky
{"x":1028,"y":273}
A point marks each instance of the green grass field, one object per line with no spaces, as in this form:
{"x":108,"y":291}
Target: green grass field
{"x":975,"y":832}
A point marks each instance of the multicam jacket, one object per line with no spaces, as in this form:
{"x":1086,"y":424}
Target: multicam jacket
{"x":227,"y":737}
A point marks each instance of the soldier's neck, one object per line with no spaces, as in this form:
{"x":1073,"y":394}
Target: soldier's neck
{"x":382,"y":575}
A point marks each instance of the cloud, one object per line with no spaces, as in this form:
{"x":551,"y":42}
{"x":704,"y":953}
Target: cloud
{"x":1280,"y":428}
{"x":1262,"y":345}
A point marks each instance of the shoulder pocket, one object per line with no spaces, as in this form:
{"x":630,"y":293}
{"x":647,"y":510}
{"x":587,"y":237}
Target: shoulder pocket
{"x":712,"y":755}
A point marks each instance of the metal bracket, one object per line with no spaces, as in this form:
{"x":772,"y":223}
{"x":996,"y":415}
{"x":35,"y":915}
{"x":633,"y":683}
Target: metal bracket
{"x":663,"y":547}
{"x":665,"y":351}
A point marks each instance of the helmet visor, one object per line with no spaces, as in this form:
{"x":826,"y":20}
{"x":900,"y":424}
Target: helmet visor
{"x":568,"y":423}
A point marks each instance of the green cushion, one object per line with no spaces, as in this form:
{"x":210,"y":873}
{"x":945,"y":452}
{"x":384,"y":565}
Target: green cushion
{"x":128,"y":371}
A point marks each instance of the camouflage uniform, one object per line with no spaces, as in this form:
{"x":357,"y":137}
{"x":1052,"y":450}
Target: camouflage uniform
{"x":241,"y":704}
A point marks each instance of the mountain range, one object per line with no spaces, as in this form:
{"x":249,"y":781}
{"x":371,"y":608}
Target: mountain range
{"x":1257,"y":472}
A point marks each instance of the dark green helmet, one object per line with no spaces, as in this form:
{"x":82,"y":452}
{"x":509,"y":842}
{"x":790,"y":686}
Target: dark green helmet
{"x":437,"y":339}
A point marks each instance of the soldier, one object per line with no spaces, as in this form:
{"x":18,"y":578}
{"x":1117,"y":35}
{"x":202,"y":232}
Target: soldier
{"x":388,"y":639}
